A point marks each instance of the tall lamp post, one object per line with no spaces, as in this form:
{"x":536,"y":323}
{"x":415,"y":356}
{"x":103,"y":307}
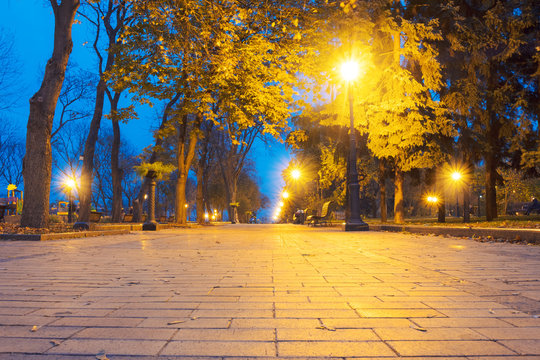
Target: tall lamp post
{"x":151,"y":224}
{"x":349,"y":72}
{"x":456,"y":176}
{"x":70,"y":184}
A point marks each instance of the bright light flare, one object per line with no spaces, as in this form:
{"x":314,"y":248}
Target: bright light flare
{"x":456,"y":176}
{"x":432,"y":199}
{"x":70,"y":183}
{"x":285,"y":195}
{"x":350,"y":70}
{"x":295,"y":174}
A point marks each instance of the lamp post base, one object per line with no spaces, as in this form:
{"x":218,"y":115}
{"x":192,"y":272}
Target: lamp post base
{"x":150,"y":226}
{"x":81,"y":225}
{"x":356,"y":226}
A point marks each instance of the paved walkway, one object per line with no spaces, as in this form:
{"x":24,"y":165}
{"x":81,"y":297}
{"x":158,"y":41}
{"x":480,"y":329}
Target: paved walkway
{"x":266,"y":291}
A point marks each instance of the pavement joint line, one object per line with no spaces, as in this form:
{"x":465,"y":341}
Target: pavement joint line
{"x":276,"y":342}
{"x":168,"y":342}
{"x":385,"y":342}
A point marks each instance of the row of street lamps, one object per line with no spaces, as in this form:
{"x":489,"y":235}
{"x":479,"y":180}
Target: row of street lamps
{"x":350,"y":72}
{"x":457,"y":177}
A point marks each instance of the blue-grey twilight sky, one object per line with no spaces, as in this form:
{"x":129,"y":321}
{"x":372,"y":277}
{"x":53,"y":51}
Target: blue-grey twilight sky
{"x":30,"y":23}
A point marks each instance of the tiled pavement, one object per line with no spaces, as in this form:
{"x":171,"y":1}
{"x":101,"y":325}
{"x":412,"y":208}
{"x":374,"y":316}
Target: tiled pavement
{"x":267,"y":291}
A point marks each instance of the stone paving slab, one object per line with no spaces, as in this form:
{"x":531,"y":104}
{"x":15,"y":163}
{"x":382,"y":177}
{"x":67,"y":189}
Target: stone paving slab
{"x":239,"y":292}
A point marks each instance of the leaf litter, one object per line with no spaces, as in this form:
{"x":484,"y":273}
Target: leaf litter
{"x":418,"y":328}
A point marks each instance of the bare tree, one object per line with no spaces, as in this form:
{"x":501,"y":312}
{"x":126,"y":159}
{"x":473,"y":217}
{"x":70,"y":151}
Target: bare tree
{"x":67,"y":148}
{"x":74,"y":98}
{"x":11,"y":154}
{"x":111,"y":14}
{"x":102,"y":188}
{"x":234,"y":146}
{"x":131,"y":181}
{"x":38,"y":159}
{"x":103,"y":184}
{"x":9,"y":72}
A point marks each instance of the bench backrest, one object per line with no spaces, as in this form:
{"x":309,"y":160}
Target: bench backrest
{"x":8,"y":200}
{"x":325,"y":207}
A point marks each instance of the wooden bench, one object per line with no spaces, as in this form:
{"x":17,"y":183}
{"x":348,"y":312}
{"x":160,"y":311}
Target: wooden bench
{"x":127,"y":218}
{"x":7,"y":204}
{"x":95,"y":216}
{"x":315,"y":220}
{"x":533,"y":206}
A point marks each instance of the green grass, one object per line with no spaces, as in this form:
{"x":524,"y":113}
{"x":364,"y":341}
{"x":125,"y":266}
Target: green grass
{"x":507,"y":221}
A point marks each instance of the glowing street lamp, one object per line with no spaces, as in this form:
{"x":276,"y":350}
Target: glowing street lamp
{"x":285,"y":195}
{"x":349,"y":72}
{"x":432,"y":200}
{"x":295,"y":174}
{"x":456,"y":176}
{"x":70,"y":183}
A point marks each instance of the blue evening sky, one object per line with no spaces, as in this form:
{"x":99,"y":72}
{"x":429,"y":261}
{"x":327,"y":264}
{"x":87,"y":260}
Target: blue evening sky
{"x":31,"y":25}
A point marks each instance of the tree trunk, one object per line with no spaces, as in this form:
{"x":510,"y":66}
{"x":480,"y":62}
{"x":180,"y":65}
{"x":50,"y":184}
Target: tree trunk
{"x":233,"y":209}
{"x":398,"y":198}
{"x":231,"y":185}
{"x":200,"y":194}
{"x":382,"y":190}
{"x":179,"y":208}
{"x":491,"y":194}
{"x":441,"y":211}
{"x":467,"y":190}
{"x":89,"y":151}
{"x":441,"y":206}
{"x":38,"y":158}
{"x":184,"y":160}
{"x":116,"y":171}
{"x":206,"y":196}
{"x":228,"y":195}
